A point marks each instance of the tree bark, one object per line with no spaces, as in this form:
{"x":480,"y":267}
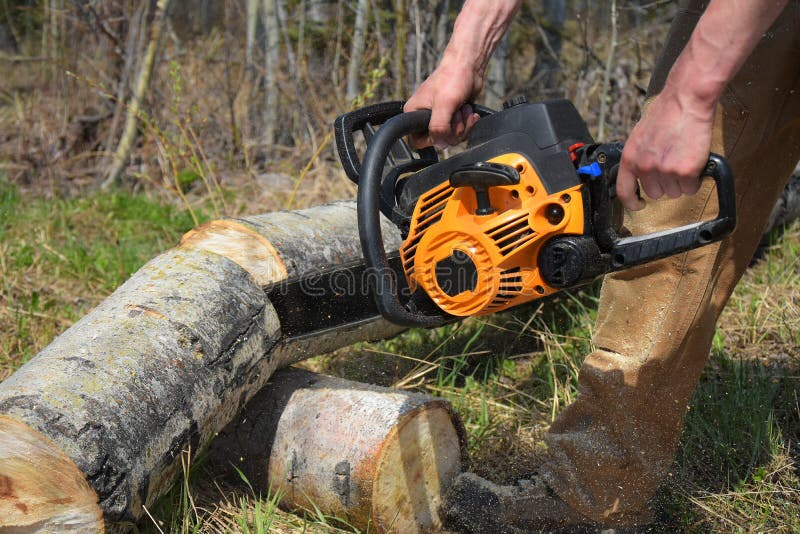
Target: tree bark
{"x":120,"y":158}
{"x":548,"y":54}
{"x":604,"y":96}
{"x":167,"y":361}
{"x":357,"y":51}
{"x":258,"y":109}
{"x":496,"y":85}
{"x":269,"y":12}
{"x":401,"y":38}
{"x":380,"y":458}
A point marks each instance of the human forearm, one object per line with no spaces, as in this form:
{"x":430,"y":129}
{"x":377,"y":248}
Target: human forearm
{"x":724,"y":36}
{"x":477,"y":31}
{"x":668,"y":148}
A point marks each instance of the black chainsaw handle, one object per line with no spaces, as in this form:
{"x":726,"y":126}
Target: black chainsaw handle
{"x":636,"y":250}
{"x":366,"y":120}
{"x":369,"y":224}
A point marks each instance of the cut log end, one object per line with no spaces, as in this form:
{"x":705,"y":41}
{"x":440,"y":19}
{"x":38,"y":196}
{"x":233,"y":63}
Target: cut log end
{"x":420,"y":459}
{"x":233,"y":240}
{"x":40,"y":488}
{"x":377,"y":457}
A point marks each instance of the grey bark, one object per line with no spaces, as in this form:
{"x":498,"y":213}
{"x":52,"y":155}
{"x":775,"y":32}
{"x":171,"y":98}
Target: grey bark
{"x":125,"y":145}
{"x":548,"y":55}
{"x":262,"y":59}
{"x":401,"y":39}
{"x":496,"y":80}
{"x":604,"y":96}
{"x":250,"y":36}
{"x":427,"y":37}
{"x":357,"y":51}
{"x":171,"y":356}
{"x":319,"y":11}
{"x":192,"y":18}
{"x":269,"y":14}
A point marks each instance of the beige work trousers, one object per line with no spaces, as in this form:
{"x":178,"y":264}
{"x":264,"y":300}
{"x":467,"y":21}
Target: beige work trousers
{"x":612,"y":447}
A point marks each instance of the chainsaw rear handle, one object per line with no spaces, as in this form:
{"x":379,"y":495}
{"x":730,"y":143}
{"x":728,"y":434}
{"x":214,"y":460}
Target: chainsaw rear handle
{"x":636,"y":250}
{"x":369,"y":223}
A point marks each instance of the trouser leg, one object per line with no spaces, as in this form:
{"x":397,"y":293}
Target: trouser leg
{"x":611,"y":448}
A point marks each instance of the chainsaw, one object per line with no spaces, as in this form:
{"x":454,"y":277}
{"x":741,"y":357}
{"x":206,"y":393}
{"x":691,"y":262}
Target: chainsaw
{"x":528,"y":209}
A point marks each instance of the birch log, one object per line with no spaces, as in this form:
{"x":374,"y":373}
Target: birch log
{"x":161,"y":366}
{"x":377,"y":457}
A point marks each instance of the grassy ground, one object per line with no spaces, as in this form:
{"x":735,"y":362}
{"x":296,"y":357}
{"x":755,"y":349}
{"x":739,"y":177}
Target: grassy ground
{"x":508,"y":375}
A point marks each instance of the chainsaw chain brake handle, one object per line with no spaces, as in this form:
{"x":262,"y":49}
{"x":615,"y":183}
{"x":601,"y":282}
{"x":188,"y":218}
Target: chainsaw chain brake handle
{"x":369,"y":224}
{"x":367,"y":120}
{"x":402,"y":159}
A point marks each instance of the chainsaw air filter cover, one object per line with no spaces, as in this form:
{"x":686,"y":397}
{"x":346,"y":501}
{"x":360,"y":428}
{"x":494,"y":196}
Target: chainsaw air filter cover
{"x":474,"y":263}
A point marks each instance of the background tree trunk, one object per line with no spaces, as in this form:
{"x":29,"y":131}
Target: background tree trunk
{"x":258,"y":104}
{"x":401,"y":39}
{"x":120,"y":159}
{"x":496,"y":84}
{"x":357,"y":51}
{"x":269,"y":14}
{"x":548,"y":53}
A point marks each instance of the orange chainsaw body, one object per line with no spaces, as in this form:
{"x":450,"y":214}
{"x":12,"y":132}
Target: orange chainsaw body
{"x":502,"y":247}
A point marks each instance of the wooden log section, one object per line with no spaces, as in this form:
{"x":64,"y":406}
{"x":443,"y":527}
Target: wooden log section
{"x":94,"y":425}
{"x":161,"y":366}
{"x":380,"y":458}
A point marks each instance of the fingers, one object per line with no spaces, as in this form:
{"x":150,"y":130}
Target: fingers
{"x":657,"y":179}
{"x":446,"y":128}
{"x":460,"y":125}
{"x":446,"y":121}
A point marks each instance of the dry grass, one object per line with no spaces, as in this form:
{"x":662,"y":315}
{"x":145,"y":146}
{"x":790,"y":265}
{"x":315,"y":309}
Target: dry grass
{"x":63,"y":248}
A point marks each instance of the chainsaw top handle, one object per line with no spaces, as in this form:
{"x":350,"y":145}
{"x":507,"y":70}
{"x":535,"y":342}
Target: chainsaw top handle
{"x":369,"y":224}
{"x":366,"y":120}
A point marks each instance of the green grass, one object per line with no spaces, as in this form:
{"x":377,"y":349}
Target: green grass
{"x":508,"y":375}
{"x":58,"y":258}
{"x":735,"y":469}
